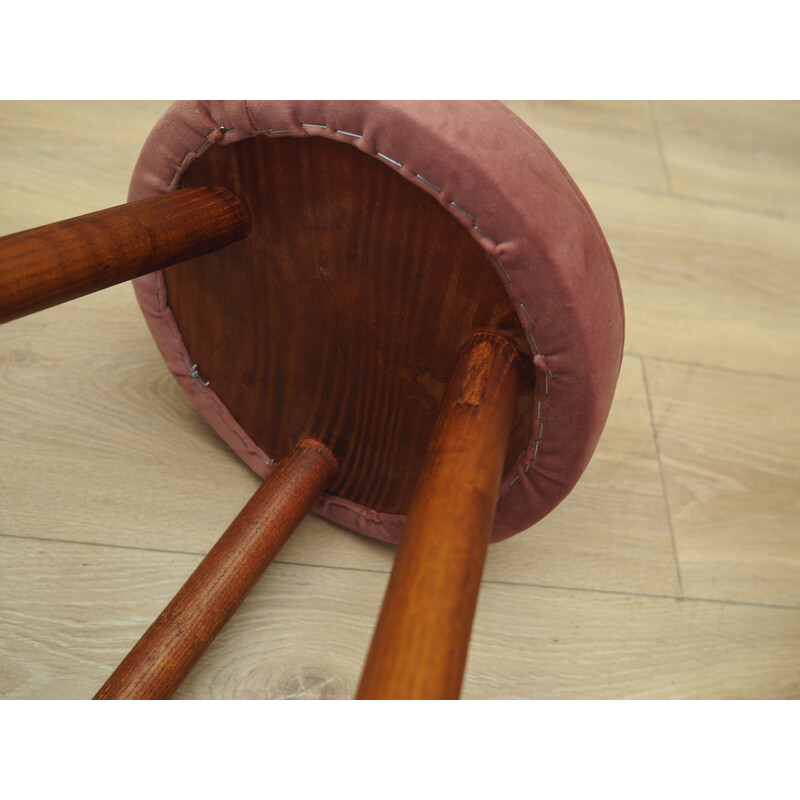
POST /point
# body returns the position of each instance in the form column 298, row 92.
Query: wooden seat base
column 341, row 315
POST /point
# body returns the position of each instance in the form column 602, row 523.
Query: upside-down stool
column 402, row 315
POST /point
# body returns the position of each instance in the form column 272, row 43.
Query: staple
column 533, row 322
column 312, row 125
column 536, row 450
column 391, row 160
column 527, row 467
column 183, row 160
column 546, row 384
column 508, row 277
column 539, row 408
column 347, row 133
column 463, row 211
column 224, row 129
column 195, row 373
column 534, row 344
column 425, row 180
column 541, row 430
column 269, row 130
column 485, row 235
column 158, row 291
column 513, row 481
column 202, row 147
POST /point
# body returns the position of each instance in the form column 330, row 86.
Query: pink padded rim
column 494, row 174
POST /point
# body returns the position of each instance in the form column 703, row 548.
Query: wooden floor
column 672, row 571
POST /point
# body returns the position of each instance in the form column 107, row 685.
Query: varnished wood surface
column 170, row 647
column 67, row 259
column 419, row 648
column 341, row 315
column 671, row 571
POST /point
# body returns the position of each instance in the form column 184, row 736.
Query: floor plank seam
column 660, row 145
column 647, row 595
column 581, row 177
column 486, row 581
column 769, row 213
column 711, row 367
column 663, row 480
column 101, row 544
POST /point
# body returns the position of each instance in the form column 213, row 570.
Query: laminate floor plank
column 553, row 644
column 70, row 612
column 741, row 154
column 61, row 159
column 729, row 446
column 100, row 444
column 578, row 132
column 702, row 283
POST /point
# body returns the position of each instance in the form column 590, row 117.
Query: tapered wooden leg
column 45, row 266
column 420, row 644
column 168, row 650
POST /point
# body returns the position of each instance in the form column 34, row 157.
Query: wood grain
column 421, row 640
column 170, row 647
column 341, row 316
column 54, row 263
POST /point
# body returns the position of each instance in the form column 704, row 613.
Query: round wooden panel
column 341, row 315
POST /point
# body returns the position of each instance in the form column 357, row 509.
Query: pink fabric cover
column 497, row 178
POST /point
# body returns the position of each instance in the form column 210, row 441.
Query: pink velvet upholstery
column 494, row 175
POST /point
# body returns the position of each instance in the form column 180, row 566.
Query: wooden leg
column 45, row 266
column 168, row 650
column 420, row 644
